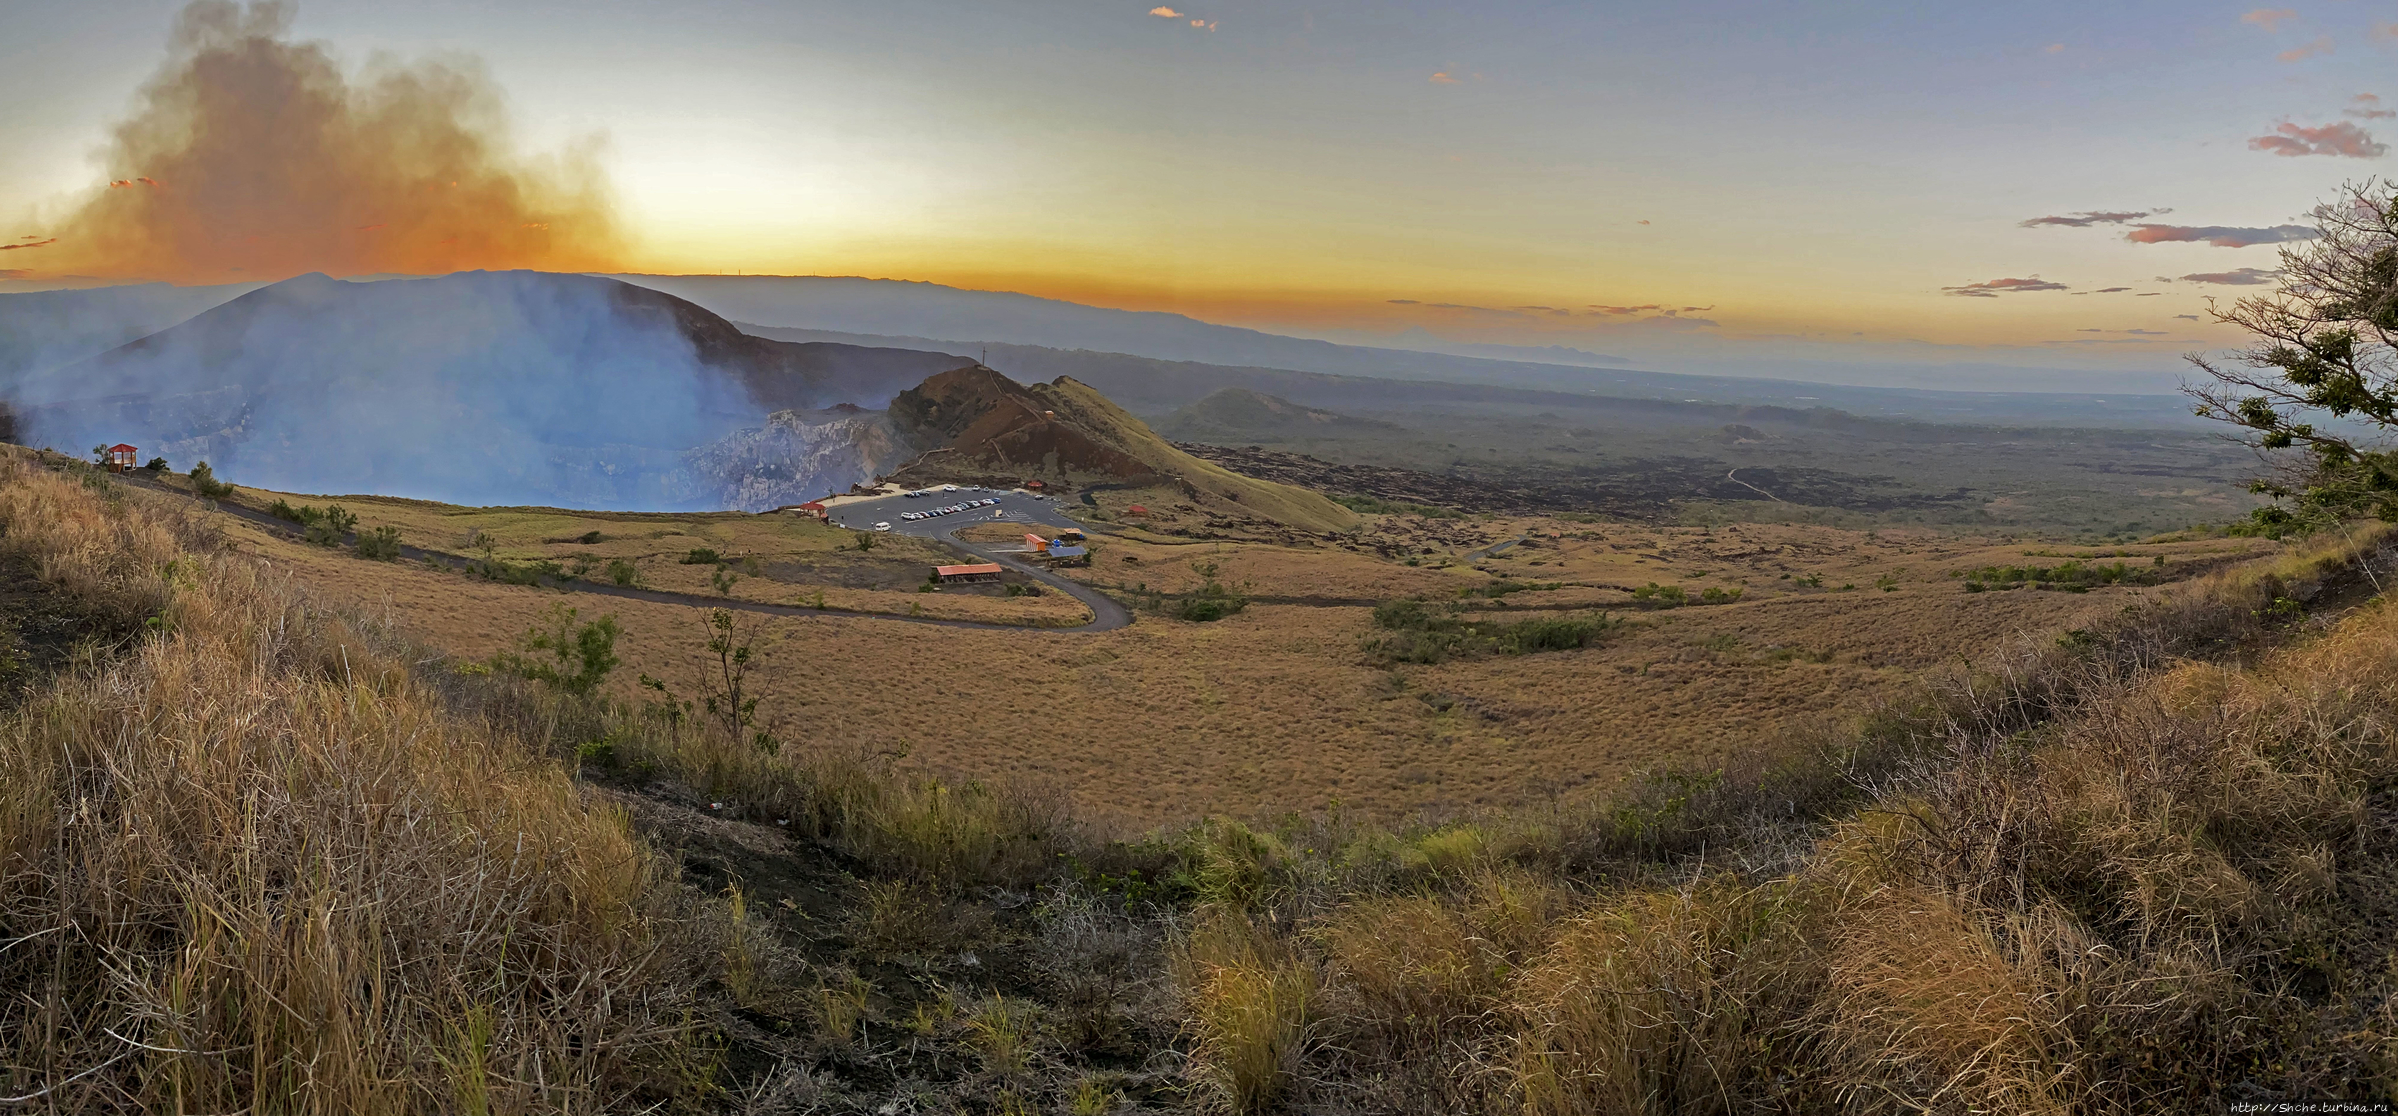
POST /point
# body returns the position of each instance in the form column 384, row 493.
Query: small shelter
column 968, row 574
column 814, row 508
column 1137, row 509
column 122, row 457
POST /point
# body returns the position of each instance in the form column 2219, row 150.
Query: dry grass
column 1277, row 708
column 252, row 864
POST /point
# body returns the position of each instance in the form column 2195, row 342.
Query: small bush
column 328, row 528
column 205, row 483
column 381, row 544
column 701, row 556
column 1416, row 632
column 574, row 658
column 623, row 572
column 589, row 537
column 156, row 466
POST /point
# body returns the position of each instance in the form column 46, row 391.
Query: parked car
column 884, row 526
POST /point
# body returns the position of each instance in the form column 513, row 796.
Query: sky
column 1702, row 183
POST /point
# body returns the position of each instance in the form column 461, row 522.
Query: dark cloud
column 1992, row 288
column 1622, row 310
column 2221, row 236
column 1405, row 302
column 2186, row 317
column 2341, row 139
column 35, row 244
column 2244, row 277
column 2085, row 220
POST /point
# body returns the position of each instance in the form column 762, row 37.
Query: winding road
column 1106, row 614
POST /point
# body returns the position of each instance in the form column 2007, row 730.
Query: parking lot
column 1004, row 507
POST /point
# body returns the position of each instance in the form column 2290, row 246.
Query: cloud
column 1622, row 310
column 2133, row 332
column 1404, row 302
column 1642, row 222
column 2085, row 220
column 2054, row 48
column 2185, row 317
column 1443, row 78
column 1204, row 24
column 211, row 172
column 2270, row 19
column 2341, row 138
column 2109, row 290
column 2243, row 277
column 2321, row 45
column 2221, row 236
column 1164, row 12
column 35, row 244
column 2150, row 294
column 1992, row 288
column 2368, row 107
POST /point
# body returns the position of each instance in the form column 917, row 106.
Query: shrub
column 156, row 466
column 328, row 528
column 1213, row 600
column 623, row 572
column 558, row 652
column 701, row 556
column 1654, row 595
column 589, row 537
column 205, row 483
column 1414, row 631
column 381, row 544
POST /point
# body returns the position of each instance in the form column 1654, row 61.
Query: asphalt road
column 1106, row 614
column 1013, row 507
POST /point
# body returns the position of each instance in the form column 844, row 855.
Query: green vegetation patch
column 1416, row 631
column 2075, row 576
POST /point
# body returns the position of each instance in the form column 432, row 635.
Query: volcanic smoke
column 253, row 157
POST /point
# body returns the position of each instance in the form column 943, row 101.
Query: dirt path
column 1753, row 488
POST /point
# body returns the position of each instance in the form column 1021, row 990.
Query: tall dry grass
column 2144, row 868
column 248, row 863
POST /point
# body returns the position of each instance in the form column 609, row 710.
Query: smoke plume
column 254, row 157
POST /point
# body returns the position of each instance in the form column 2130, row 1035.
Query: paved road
column 1013, row 507
column 1106, row 614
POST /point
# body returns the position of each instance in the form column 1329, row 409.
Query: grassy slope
column 2118, row 873
column 1296, row 507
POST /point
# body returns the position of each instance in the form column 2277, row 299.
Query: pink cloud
column 2270, row 19
column 1164, row 12
column 2368, row 107
column 2321, row 45
column 2342, row 138
column 1992, row 288
column 1443, row 78
column 2221, row 236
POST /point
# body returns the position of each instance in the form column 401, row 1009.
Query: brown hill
column 974, row 422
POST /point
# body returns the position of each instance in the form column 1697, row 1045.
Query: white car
column 882, row 526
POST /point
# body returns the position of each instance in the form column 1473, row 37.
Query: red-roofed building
column 122, row 457
column 962, row 575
